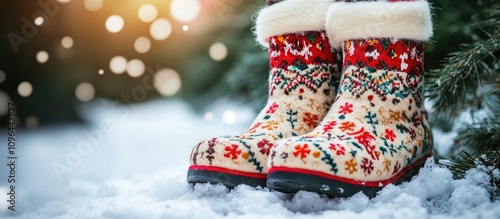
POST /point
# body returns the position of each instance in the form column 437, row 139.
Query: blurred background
column 57, row 55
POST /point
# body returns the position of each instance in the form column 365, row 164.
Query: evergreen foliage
column 468, row 81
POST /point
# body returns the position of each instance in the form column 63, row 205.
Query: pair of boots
column 330, row 132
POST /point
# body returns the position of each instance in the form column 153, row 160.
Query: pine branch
column 455, row 86
column 483, row 136
column 489, row 162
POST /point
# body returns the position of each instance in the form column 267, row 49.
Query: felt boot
column 377, row 132
column 302, row 85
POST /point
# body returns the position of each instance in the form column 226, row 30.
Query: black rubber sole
column 226, row 179
column 292, row 182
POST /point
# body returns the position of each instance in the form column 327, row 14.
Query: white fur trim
column 362, row 20
column 291, row 16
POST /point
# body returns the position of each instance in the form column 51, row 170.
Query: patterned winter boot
column 376, row 133
column 302, row 86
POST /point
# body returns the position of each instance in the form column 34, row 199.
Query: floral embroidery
column 389, row 135
column 265, row 146
column 367, row 165
column 272, row 109
column 346, row 108
column 311, row 120
column 303, row 151
column 378, row 123
column 339, row 149
column 351, row 166
column 271, row 125
column 232, row 152
column 329, row 126
column 303, row 78
column 347, row 126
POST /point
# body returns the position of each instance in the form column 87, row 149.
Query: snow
column 131, row 162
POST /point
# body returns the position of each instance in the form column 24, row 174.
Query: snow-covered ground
column 131, row 162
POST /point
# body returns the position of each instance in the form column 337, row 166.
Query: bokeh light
column 142, row 45
column 42, row 56
column 101, row 71
column 185, row 27
column 39, row 21
column 147, row 13
column 135, row 68
column 93, row 5
column 2, row 76
column 160, row 29
column 4, row 102
column 209, row 116
column 85, row 92
column 63, row 1
column 31, row 122
column 167, row 82
column 25, row 89
column 118, row 64
column 185, row 10
column 218, row 51
column 229, row 117
column 114, row 23
column 67, row 42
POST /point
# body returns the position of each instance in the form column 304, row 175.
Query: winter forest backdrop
column 67, row 64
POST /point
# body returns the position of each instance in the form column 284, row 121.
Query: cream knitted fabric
column 302, row 86
column 377, row 129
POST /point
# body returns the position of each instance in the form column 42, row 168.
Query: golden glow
column 167, row 82
column 185, row 10
column 42, row 57
column 218, row 51
column 63, row 1
column 39, row 21
column 114, row 24
column 25, row 89
column 142, row 45
column 135, row 68
column 147, row 13
column 118, row 64
column 160, row 29
column 85, row 92
column 67, row 42
column 93, row 5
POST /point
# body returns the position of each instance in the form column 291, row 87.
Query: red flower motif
column 265, row 146
column 311, row 120
column 389, row 135
column 365, row 138
column 272, row 109
column 302, row 151
column 254, row 127
column 339, row 149
column 367, row 165
column 329, row 126
column 346, row 108
column 232, row 152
